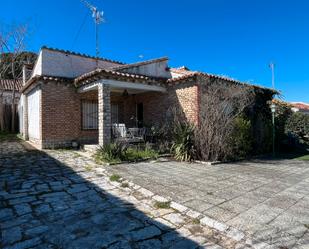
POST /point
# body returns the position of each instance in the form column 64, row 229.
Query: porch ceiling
column 119, row 86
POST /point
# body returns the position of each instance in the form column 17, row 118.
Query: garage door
column 34, row 114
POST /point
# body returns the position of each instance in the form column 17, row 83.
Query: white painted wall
column 34, row 105
column 21, row 113
column 156, row 69
column 59, row 64
column 37, row 70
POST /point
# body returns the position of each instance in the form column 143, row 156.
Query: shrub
column 298, row 126
column 283, row 113
column 183, row 142
column 160, row 135
column 134, row 154
column 115, row 178
column 112, row 153
column 6, row 136
column 240, row 142
column 118, row 152
column 159, row 204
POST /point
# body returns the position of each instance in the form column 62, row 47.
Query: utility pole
column 98, row 19
column 273, row 106
column 272, row 66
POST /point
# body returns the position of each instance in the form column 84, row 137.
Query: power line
column 79, row 31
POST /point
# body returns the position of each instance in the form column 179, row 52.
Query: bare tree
column 1, row 110
column 12, row 41
column 220, row 105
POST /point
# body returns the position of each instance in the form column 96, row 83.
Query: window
column 89, row 115
column 114, row 108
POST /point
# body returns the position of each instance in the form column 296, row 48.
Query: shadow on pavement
column 45, row 204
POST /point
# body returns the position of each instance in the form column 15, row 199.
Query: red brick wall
column 185, row 97
column 61, row 115
column 158, row 107
column 61, row 110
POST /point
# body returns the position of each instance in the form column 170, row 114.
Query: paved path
column 58, row 199
column 268, row 200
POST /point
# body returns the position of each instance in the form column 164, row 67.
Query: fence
column 6, row 117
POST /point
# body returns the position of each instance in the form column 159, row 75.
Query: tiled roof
column 182, row 70
column 300, row 106
column 186, row 74
column 179, row 75
column 45, row 78
column 82, row 55
column 8, row 84
column 96, row 74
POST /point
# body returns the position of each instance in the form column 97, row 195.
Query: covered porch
column 120, row 110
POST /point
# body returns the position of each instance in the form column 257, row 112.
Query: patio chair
column 119, row 130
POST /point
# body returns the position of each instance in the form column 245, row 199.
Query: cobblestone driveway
column 268, row 200
column 58, row 199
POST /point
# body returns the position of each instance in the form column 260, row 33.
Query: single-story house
column 75, row 97
column 6, row 90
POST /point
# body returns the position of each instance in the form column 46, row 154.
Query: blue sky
column 234, row 38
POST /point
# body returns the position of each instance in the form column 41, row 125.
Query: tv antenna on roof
column 98, row 19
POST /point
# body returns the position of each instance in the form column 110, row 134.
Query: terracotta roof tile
column 300, row 105
column 45, row 78
column 94, row 75
column 187, row 74
column 8, row 84
column 82, row 55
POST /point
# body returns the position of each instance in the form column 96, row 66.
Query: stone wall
column 104, row 103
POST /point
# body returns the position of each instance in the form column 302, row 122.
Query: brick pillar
column 25, row 117
column 104, row 114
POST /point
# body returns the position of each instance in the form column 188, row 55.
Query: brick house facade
column 64, row 86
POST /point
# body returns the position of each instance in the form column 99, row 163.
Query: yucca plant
column 113, row 152
column 183, row 142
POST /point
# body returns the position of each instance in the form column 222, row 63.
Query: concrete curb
column 233, row 233
column 228, row 231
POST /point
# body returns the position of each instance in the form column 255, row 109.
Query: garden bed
column 117, row 153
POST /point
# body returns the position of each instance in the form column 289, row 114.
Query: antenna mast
column 272, row 67
column 98, row 19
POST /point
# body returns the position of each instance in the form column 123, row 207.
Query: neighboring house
column 6, row 91
column 74, row 97
column 6, row 100
column 300, row 107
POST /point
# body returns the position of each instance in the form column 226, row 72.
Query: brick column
column 104, row 114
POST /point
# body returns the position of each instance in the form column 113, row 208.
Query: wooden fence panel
column 6, row 114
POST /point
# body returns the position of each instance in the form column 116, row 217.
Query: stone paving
column 267, row 200
column 59, row 199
